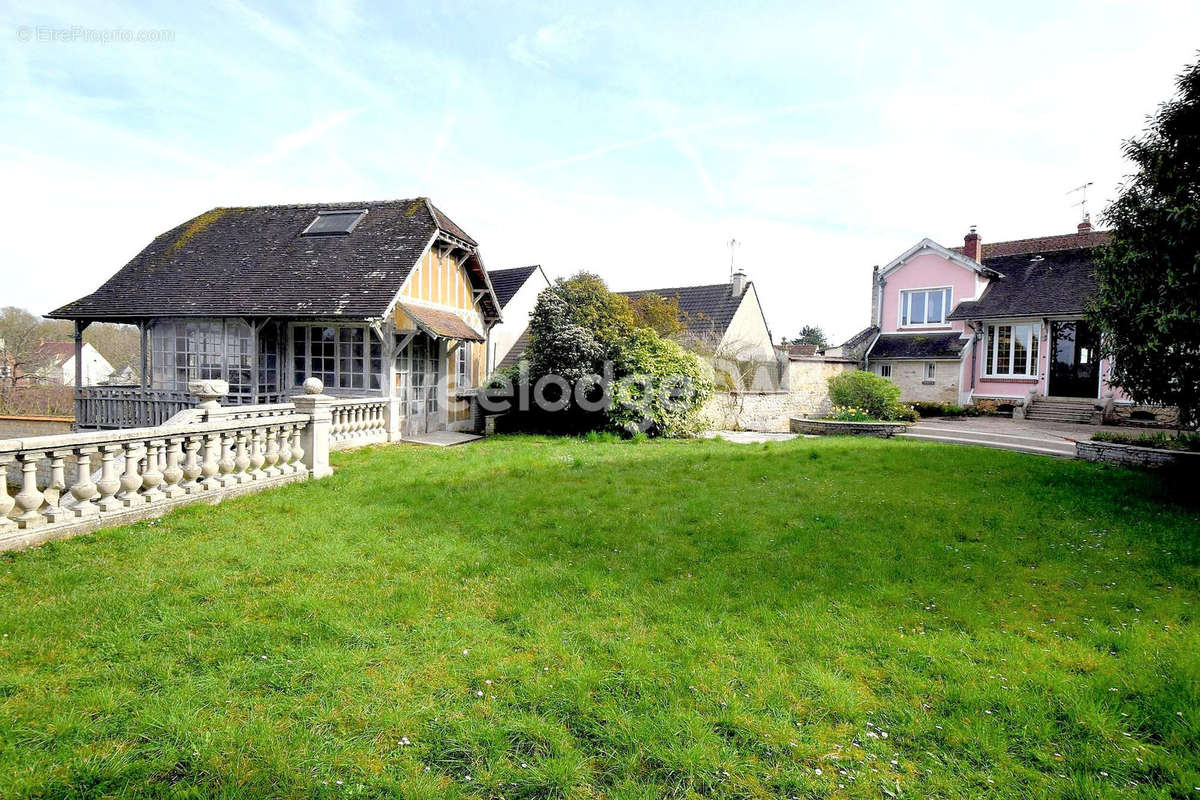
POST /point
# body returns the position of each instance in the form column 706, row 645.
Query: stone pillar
column 315, row 439
column 394, row 418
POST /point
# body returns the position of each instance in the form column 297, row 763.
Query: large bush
column 580, row 330
column 662, row 388
column 868, row 391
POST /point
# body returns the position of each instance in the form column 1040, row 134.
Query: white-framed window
column 343, row 357
column 930, row 370
column 461, row 361
column 885, row 370
column 924, row 307
column 200, row 349
column 1012, row 350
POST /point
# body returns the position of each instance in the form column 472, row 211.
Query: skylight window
column 335, row 223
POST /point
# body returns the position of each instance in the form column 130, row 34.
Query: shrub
column 901, row 413
column 872, row 393
column 662, row 389
column 1161, row 441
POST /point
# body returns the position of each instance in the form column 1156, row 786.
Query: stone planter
column 829, row 427
column 1133, row 456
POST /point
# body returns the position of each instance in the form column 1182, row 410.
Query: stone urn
column 209, row 391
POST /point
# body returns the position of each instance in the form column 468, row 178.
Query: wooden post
column 143, row 404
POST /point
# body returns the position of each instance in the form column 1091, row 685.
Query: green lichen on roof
column 190, row 231
column 414, row 207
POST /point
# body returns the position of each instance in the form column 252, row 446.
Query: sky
column 632, row 140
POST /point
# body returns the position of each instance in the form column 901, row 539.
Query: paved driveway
column 1044, row 438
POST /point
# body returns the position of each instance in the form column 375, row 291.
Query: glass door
column 1075, row 364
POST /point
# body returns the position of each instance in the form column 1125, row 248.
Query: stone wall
column 1143, row 416
column 19, row 427
column 910, row 377
column 826, row 427
column 806, row 394
column 1134, row 456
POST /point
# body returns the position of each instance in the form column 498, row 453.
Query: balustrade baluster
column 6, row 502
column 241, row 462
column 191, row 467
column 257, row 458
column 53, row 510
column 29, row 499
column 110, row 480
column 298, row 449
column 211, row 465
column 131, row 480
column 173, row 472
column 226, row 463
column 152, row 476
column 285, row 451
column 83, row 490
column 271, row 470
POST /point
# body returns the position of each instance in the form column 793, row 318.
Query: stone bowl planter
column 829, row 427
column 1131, row 455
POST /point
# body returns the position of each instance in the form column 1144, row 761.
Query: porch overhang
column 440, row 324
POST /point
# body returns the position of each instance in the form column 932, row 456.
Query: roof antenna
column 733, row 245
column 1083, row 199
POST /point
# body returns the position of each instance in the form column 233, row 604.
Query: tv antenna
column 733, row 245
column 1082, row 190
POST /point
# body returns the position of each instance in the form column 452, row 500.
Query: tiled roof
column 444, row 324
column 1038, row 284
column 56, row 351
column 513, row 356
column 859, row 338
column 254, row 262
column 705, row 309
column 507, row 282
column 1041, row 244
column 799, row 349
column 918, row 346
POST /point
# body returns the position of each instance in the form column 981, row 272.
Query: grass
column 533, row 618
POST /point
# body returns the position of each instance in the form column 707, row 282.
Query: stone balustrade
column 360, row 421
column 101, row 478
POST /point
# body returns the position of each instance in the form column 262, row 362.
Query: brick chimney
column 1085, row 226
column 972, row 248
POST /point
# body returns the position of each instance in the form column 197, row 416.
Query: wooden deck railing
column 116, row 407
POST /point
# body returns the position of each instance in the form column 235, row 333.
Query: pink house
column 998, row 324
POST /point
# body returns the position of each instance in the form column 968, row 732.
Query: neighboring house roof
column 1035, row 284
column 1042, row 244
column 799, row 349
column 507, row 282
column 514, row 354
column 918, row 346
column 254, row 262
column 56, row 352
column 856, row 345
column 705, row 309
column 954, row 256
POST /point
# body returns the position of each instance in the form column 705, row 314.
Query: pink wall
column 925, row 271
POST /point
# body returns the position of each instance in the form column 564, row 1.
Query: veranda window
column 343, row 357
column 1012, row 350
column 188, row 350
column 924, row 306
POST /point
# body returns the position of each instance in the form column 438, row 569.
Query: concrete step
column 1049, row 416
column 1066, row 450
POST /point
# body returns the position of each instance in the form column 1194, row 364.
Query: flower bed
column 831, row 427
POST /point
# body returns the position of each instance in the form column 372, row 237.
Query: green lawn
column 560, row 618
